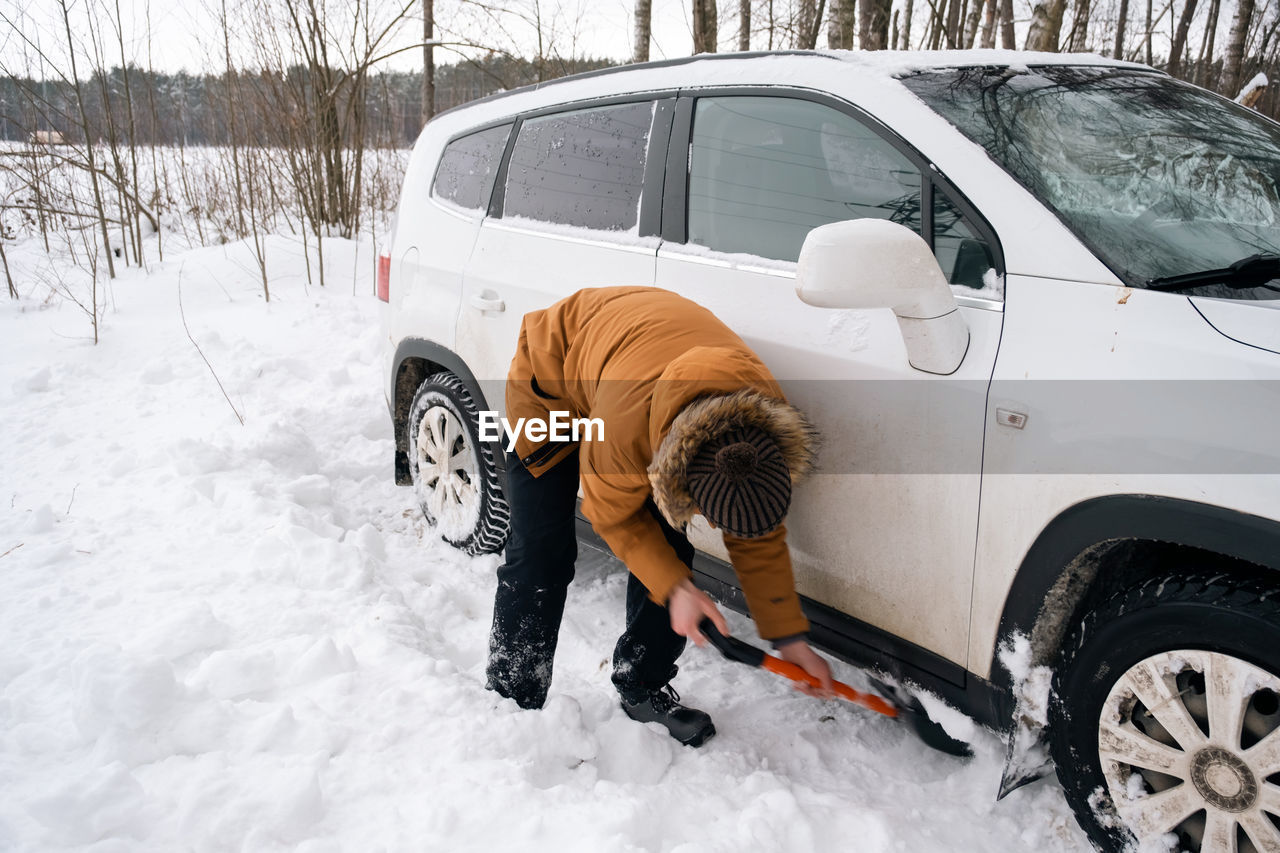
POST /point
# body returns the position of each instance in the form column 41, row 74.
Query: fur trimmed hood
column 709, row 417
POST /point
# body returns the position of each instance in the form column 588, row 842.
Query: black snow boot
column 688, row 725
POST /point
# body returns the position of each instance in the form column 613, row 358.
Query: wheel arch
column 416, row 359
column 1100, row 546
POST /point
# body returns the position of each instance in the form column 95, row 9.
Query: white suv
column 1031, row 309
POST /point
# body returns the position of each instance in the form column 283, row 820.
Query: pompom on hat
column 741, row 482
column 732, row 458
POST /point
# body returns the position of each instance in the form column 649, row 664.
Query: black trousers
column 534, row 580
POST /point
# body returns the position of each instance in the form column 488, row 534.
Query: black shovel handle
column 731, row 647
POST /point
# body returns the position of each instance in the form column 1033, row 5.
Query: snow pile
column 226, row 637
column 1259, row 81
column 1032, row 685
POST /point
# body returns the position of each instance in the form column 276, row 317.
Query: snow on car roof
column 896, row 63
column 783, row 67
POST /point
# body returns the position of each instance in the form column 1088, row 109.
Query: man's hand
column 807, row 659
column 688, row 606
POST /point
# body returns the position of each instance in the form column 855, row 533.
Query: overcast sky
column 172, row 34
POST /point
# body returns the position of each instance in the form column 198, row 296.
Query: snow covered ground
column 217, row 636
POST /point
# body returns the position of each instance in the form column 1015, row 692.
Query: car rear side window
column 468, row 167
column 583, row 168
column 765, row 171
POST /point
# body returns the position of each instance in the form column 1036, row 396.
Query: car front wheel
column 1166, row 729
column 453, row 471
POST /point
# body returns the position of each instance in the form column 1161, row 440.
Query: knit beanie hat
column 741, row 482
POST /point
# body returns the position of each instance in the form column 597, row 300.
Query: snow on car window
column 583, row 168
column 468, row 167
column 1159, row 177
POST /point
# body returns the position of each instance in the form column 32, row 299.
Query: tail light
column 384, row 278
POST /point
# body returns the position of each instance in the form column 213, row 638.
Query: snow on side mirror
column 874, row 263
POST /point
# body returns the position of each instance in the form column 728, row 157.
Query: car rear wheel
column 1166, row 729
column 453, row 472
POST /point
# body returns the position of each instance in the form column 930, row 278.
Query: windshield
column 1158, row 177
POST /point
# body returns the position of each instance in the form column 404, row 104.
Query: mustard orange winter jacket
column 663, row 375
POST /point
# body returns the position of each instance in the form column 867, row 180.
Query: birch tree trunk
column 644, row 29
column 840, row 27
column 989, row 26
column 1230, row 83
column 873, row 24
column 1046, row 25
column 971, row 26
column 805, row 13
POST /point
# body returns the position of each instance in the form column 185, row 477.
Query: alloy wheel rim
column 448, row 475
column 1189, row 745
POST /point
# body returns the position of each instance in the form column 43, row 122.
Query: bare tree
column 744, row 24
column 809, row 24
column 1206, row 44
column 134, row 217
column 318, row 86
column 1143, row 51
column 89, row 158
column 937, row 25
column 13, row 291
column 428, row 60
column 1180, row 38
column 1151, row 28
column 704, row 26
column 1078, row 38
column 1121, row 19
column 157, row 195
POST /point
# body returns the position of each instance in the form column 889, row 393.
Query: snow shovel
column 913, row 713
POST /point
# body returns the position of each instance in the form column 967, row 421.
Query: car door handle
column 486, row 301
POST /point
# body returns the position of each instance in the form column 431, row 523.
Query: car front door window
column 765, row 171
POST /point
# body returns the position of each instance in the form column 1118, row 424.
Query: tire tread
column 1229, row 592
column 494, row 522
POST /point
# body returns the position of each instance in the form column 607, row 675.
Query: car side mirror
column 874, row 263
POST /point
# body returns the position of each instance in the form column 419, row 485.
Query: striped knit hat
column 741, row 482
